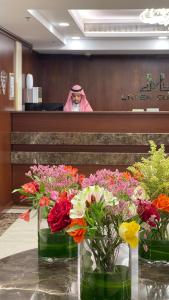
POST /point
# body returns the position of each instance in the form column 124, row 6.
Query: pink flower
column 54, row 195
column 55, row 178
column 121, row 184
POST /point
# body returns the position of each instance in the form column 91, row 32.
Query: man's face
column 76, row 98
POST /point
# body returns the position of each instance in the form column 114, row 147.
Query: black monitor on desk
column 43, row 106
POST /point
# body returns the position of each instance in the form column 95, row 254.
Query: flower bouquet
column 104, row 221
column 49, row 194
column 153, row 175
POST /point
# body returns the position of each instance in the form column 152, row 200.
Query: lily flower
column 128, row 232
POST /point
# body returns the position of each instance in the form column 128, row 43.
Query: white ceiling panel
column 103, row 26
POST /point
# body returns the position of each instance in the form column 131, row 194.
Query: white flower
column 86, row 196
column 139, row 193
column 132, row 210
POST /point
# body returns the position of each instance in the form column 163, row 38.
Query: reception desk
column 87, row 140
column 140, row 122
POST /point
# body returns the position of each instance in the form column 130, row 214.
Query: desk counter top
column 116, row 121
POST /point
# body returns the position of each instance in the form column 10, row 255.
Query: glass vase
column 53, row 246
column 104, row 273
column 154, row 251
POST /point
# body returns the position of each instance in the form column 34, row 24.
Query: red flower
column 31, row 187
column 25, row 216
column 81, row 178
column 22, row 197
column 44, row 201
column 148, row 212
column 58, row 217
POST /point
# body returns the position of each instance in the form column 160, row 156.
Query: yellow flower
column 128, row 232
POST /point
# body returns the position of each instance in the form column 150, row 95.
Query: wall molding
column 15, row 37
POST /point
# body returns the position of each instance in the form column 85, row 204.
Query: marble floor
column 6, row 220
column 16, row 235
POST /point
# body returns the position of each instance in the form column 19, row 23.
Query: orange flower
column 78, row 234
column 30, row 187
column 126, row 175
column 44, row 201
column 162, row 202
column 25, row 216
column 71, row 170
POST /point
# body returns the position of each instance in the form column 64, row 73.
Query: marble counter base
column 87, row 138
column 75, row 158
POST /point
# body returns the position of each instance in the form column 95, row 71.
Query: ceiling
column 102, row 26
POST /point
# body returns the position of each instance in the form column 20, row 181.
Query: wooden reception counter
column 87, row 140
column 91, row 122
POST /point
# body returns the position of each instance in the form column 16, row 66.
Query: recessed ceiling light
column 163, row 37
column 64, row 24
column 75, row 37
column 27, row 18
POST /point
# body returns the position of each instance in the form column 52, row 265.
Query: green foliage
column 94, row 216
column 153, row 172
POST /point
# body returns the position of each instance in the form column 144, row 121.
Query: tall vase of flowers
column 49, row 194
column 53, row 246
column 104, row 226
column 153, row 175
column 105, row 271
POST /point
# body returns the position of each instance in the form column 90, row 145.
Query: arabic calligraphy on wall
column 151, row 85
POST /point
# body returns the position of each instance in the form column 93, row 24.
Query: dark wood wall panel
column 7, row 55
column 5, row 167
column 7, row 50
column 82, row 148
column 104, row 78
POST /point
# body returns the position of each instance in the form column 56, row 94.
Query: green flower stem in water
column 105, row 253
column 101, row 277
column 55, row 245
column 157, row 250
column 107, row 286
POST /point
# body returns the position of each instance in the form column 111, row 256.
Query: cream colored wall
column 18, row 75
